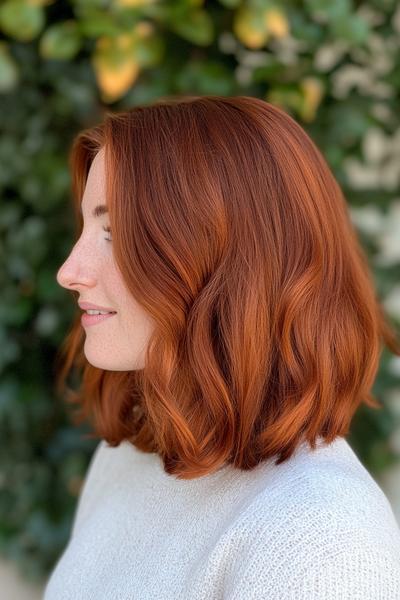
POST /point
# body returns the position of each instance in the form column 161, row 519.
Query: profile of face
column 116, row 342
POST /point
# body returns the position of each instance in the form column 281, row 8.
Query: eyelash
column 108, row 229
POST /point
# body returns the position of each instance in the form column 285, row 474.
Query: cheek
column 119, row 294
column 138, row 323
column 134, row 316
column 116, row 286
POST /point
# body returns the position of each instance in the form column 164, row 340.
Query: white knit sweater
column 315, row 527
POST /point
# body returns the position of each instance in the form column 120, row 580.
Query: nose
column 72, row 275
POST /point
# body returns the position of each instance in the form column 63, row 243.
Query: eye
column 108, row 229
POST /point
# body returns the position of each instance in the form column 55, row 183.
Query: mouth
column 87, row 320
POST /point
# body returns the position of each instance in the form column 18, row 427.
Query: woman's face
column 118, row 342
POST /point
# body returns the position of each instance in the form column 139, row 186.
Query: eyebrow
column 99, row 210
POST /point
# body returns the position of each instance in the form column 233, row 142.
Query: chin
column 107, row 357
column 97, row 359
column 100, row 364
column 104, row 362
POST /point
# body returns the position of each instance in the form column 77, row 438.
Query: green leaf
column 9, row 74
column 149, row 52
column 84, row 4
column 328, row 9
column 95, row 23
column 196, row 26
column 230, row 3
column 205, row 77
column 21, row 20
column 61, row 41
column 351, row 28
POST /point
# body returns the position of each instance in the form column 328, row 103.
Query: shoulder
column 326, row 490
column 323, row 529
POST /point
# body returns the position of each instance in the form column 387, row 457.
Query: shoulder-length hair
column 231, row 231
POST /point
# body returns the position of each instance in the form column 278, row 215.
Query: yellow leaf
column 276, row 22
column 118, row 43
column 124, row 41
column 133, row 3
column 249, row 28
column 114, row 80
column 313, row 91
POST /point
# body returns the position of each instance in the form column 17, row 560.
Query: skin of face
column 117, row 343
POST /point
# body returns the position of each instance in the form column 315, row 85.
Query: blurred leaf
column 61, row 41
column 85, row 4
column 9, row 74
column 329, row 11
column 312, row 89
column 206, row 78
column 95, row 23
column 115, row 66
column 21, row 19
column 147, row 49
column 196, row 27
column 250, row 28
column 230, row 3
column 351, row 28
column 42, row 2
column 133, row 3
column 288, row 97
column 276, row 22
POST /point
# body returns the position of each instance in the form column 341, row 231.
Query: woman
column 241, row 331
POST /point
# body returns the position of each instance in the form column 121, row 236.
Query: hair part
column 231, row 231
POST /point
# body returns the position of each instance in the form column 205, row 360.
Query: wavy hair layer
column 231, row 231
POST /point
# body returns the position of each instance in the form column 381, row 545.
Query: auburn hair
column 230, row 229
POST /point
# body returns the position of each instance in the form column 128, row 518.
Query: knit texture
column 315, row 527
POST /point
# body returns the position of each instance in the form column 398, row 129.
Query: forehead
column 94, row 193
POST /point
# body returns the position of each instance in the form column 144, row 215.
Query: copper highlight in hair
column 231, row 231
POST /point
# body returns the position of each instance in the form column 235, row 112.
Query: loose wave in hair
column 231, row 231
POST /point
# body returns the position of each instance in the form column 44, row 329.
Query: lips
column 90, row 306
column 88, row 320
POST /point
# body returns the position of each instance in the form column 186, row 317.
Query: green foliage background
column 335, row 66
